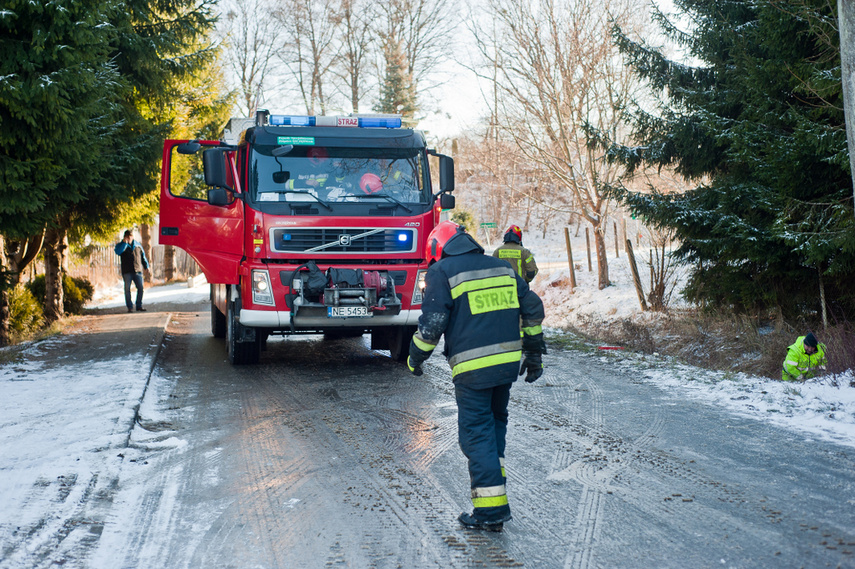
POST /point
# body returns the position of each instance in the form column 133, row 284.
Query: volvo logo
column 344, row 240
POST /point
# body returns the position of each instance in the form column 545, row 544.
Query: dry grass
column 722, row 342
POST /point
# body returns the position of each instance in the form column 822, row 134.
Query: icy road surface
column 134, row 444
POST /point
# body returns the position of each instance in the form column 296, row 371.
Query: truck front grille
column 343, row 240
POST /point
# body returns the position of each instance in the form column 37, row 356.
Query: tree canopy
column 758, row 124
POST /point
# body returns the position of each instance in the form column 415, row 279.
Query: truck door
column 211, row 234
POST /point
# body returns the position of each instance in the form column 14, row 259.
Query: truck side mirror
column 214, row 165
column 446, row 173
column 218, row 196
column 446, row 201
column 190, row 147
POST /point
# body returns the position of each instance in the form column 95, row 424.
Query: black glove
column 533, row 364
column 533, row 343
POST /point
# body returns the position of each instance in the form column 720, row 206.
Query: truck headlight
column 419, row 290
column 261, row 290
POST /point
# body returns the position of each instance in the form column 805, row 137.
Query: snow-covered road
column 123, row 446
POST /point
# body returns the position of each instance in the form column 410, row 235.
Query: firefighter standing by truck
column 520, row 258
column 478, row 302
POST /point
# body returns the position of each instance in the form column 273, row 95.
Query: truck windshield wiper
column 387, row 198
column 305, row 193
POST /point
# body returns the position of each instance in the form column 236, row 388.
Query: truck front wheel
column 399, row 342
column 243, row 345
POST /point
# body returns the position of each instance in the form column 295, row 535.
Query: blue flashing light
column 380, row 122
column 291, row 120
column 403, row 237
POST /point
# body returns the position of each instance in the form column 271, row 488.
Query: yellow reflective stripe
column 487, row 361
column 491, row 282
column 529, row 259
column 459, row 278
column 510, row 253
column 422, row 345
column 532, row 330
column 489, row 350
column 502, row 464
column 490, row 502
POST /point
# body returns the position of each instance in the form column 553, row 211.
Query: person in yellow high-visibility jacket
column 520, row 258
column 804, row 358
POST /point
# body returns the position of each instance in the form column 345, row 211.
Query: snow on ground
column 46, row 437
column 114, row 296
column 822, row 407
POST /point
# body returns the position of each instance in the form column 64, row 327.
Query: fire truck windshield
column 343, row 180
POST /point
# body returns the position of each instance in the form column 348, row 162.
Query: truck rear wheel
column 240, row 351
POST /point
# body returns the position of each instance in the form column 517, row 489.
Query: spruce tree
column 758, row 124
column 398, row 92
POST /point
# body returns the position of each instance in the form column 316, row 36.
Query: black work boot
column 471, row 522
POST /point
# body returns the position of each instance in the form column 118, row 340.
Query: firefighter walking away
column 520, row 258
column 478, row 302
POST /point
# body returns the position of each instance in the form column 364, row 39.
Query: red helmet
column 439, row 237
column 514, row 233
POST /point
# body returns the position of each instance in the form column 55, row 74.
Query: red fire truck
column 307, row 225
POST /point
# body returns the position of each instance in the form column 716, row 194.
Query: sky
column 457, row 103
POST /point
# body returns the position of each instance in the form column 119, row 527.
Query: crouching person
column 804, row 358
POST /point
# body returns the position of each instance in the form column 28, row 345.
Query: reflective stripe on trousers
column 489, row 497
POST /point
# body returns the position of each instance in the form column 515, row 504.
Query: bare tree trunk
column 168, row 263
column 602, row 257
column 145, row 238
column 55, row 250
column 846, row 25
column 5, row 286
column 14, row 257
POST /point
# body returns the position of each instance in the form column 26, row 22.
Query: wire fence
column 102, row 267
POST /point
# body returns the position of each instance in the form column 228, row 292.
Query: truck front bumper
column 281, row 320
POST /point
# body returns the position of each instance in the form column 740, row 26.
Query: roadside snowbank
column 823, row 407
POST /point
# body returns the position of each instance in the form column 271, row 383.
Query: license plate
column 348, row 312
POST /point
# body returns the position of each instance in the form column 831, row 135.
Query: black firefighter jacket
column 477, row 301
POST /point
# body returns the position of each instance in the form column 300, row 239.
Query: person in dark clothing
column 477, row 302
column 134, row 262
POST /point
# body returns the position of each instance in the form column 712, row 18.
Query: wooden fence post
column 635, row 278
column 623, row 227
column 617, row 241
column 570, row 258
column 588, row 244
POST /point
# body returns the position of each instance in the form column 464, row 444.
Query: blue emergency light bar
column 351, row 121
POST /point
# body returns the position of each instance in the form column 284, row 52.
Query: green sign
column 296, row 140
column 488, row 225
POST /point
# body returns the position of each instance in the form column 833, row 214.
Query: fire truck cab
column 307, row 225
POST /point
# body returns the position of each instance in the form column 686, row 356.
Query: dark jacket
column 477, row 302
column 132, row 256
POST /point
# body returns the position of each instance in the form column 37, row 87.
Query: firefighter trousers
column 482, row 424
